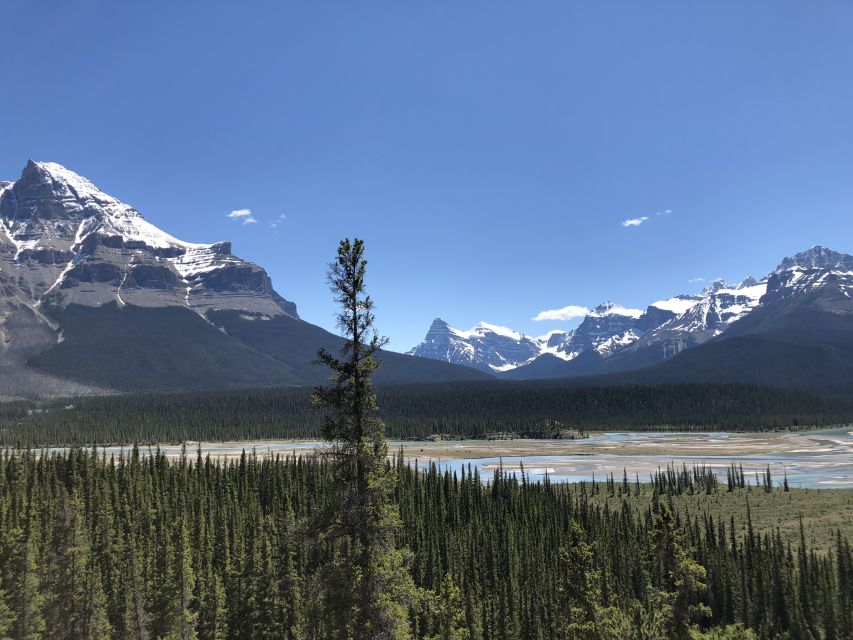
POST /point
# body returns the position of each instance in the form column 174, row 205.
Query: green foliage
column 462, row 409
column 75, row 599
column 447, row 608
column 246, row 524
column 6, row 616
column 581, row 590
column 729, row 632
column 362, row 523
column 682, row 577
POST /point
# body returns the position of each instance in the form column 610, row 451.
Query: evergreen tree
column 681, row 576
column 449, row 612
column 366, row 589
column 6, row 616
column 580, row 591
column 163, row 549
column 24, row 591
column 75, row 602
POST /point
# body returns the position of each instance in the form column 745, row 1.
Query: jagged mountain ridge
column 70, row 243
column 77, row 264
column 485, row 346
column 497, row 349
column 95, row 298
column 608, row 341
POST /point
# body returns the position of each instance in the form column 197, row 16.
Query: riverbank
column 808, row 458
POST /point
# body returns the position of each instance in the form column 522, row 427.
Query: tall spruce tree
column 365, row 587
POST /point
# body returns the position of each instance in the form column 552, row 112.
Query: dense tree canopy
column 469, row 409
column 143, row 548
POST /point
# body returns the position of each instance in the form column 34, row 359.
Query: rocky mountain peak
column 604, row 308
column 71, row 243
column 47, row 190
column 715, row 286
column 667, row 327
column 818, row 257
column 610, row 308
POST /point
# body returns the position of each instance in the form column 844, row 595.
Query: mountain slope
column 93, row 298
column 801, row 335
column 70, row 243
column 296, row 343
column 134, row 348
column 798, row 334
column 485, row 346
column 496, row 349
column 785, row 329
column 773, row 359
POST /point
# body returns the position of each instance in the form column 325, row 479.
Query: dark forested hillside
column 470, row 409
column 140, row 349
column 137, row 548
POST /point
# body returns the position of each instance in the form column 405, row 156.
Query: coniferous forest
column 140, row 547
column 410, row 411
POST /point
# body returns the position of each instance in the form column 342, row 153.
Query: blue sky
column 488, row 153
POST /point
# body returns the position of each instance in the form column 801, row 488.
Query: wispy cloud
column 694, row 280
column 244, row 215
column 636, row 222
column 566, row 313
column 274, row 224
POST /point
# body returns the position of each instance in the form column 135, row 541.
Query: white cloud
column 636, row 222
column 245, row 215
column 566, row 313
column 275, row 223
column 692, row 280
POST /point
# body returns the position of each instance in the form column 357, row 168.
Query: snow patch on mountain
column 617, row 342
column 669, row 325
column 70, row 241
column 110, row 215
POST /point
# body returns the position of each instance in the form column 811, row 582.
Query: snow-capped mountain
column 607, row 321
column 494, row 348
column 485, row 346
column 710, row 313
column 817, row 269
column 614, row 338
column 67, row 242
column 93, row 297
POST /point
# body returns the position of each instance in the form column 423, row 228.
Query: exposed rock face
column 711, row 313
column 607, row 321
column 486, row 347
column 817, row 257
column 94, row 298
column 68, row 242
column 824, row 275
column 496, row 349
column 63, row 241
column 614, row 338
